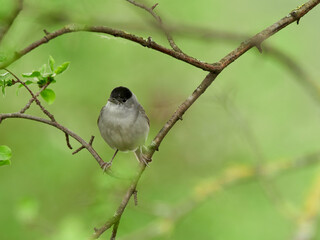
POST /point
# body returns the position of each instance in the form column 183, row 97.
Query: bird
column 123, row 124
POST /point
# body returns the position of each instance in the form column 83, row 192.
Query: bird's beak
column 113, row 100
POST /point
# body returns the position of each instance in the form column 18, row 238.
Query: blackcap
column 123, row 124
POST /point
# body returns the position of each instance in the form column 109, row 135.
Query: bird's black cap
column 122, row 94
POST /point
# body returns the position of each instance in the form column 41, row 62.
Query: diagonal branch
column 34, row 97
column 159, row 21
column 27, row 106
column 224, row 62
column 58, row 126
column 214, row 70
column 227, row 60
column 116, row 33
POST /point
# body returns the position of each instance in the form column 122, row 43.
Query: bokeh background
column 257, row 112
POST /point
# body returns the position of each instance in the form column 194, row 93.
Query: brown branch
column 116, row 217
column 116, row 33
column 34, row 97
column 82, row 147
column 115, row 230
column 27, row 106
column 68, row 140
column 160, row 23
column 58, row 126
column 11, row 18
column 214, row 69
column 223, row 63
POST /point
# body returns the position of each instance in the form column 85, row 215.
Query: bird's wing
column 100, row 115
column 143, row 113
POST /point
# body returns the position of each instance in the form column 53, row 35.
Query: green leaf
column 48, row 95
column 43, row 69
column 5, row 153
column 51, row 63
column 9, row 82
column 32, row 74
column 62, row 68
column 5, row 162
column 4, row 75
column 28, row 82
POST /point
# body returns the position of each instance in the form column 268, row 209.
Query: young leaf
column 5, row 162
column 5, row 153
column 61, row 68
column 28, row 82
column 3, row 75
column 48, row 95
column 32, row 74
column 51, row 63
column 43, row 69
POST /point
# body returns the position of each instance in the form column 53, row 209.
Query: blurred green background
column 255, row 111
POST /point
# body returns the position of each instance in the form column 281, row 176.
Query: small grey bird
column 123, row 124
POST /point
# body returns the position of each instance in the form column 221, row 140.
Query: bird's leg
column 108, row 164
column 141, row 157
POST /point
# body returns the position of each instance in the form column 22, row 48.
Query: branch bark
column 160, row 23
column 223, row 63
column 58, row 126
column 213, row 69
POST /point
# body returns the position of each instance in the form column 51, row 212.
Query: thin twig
column 160, row 23
column 122, row 205
column 82, row 147
column 224, row 62
column 214, row 69
column 68, row 140
column 60, row 127
column 135, row 197
column 114, row 32
column 34, row 96
column 27, row 106
column 115, row 230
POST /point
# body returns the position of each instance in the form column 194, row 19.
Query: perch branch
column 223, row 63
column 82, row 147
column 214, row 70
column 58, row 126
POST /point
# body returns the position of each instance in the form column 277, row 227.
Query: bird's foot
column 106, row 165
column 145, row 159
